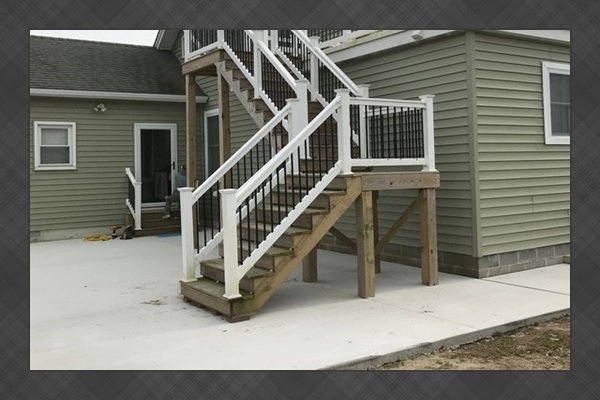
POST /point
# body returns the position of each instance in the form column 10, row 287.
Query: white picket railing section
column 136, row 208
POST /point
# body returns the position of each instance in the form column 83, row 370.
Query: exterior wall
column 524, row 184
column 66, row 204
column 243, row 126
column 438, row 67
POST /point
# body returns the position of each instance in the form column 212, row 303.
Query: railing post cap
column 339, row 91
column 227, row 191
column 426, row 96
column 292, row 100
column 302, row 81
column 185, row 189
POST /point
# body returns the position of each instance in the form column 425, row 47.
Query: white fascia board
column 159, row 37
column 563, row 36
column 387, row 39
column 84, row 94
column 378, row 41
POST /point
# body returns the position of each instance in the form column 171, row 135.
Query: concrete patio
column 115, row 305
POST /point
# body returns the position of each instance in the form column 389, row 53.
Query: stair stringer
column 242, row 95
column 322, row 224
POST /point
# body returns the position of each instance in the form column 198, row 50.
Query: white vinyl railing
column 370, row 132
column 248, row 58
column 386, row 127
column 190, row 197
column 136, row 208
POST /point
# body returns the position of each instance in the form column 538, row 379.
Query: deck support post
column 187, row 234
column 377, row 255
column 429, row 256
column 190, row 144
column 309, row 267
column 365, row 245
column 224, row 127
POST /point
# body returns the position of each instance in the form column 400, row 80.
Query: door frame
column 137, row 149
column 207, row 114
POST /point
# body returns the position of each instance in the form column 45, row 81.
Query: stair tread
column 215, row 289
column 327, row 192
column 253, row 273
column 291, row 231
column 308, row 211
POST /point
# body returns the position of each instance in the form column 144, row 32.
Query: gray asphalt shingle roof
column 68, row 64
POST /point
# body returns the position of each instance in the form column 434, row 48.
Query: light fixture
column 417, row 35
column 100, row 108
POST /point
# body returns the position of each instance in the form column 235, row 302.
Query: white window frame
column 71, row 142
column 208, row 114
column 549, row 68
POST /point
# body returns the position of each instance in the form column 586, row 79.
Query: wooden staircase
column 153, row 224
column 261, row 281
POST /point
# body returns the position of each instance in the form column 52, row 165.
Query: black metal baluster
column 293, row 185
column 395, row 133
column 218, row 210
column 422, row 135
column 307, row 172
column 240, row 248
column 248, row 225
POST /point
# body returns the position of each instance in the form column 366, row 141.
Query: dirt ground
column 543, row 346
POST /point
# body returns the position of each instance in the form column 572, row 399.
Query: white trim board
column 137, row 145
column 85, row 94
column 388, row 39
column 207, row 114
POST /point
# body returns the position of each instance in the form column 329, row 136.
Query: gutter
column 389, row 39
column 85, row 94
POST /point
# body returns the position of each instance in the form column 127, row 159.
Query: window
column 211, row 121
column 54, row 145
column 556, row 81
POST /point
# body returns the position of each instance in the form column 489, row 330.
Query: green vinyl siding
column 242, row 125
column 94, row 194
column 524, row 184
column 435, row 67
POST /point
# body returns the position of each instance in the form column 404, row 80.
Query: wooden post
column 224, row 126
column 187, row 234
column 429, row 257
column 377, row 255
column 190, row 113
column 365, row 246
column 190, row 145
column 309, row 267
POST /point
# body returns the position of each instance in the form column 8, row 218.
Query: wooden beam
column 365, row 252
column 376, row 231
column 224, row 125
column 398, row 224
column 190, row 133
column 351, row 244
column 429, row 256
column 309, row 267
column 400, row 180
column 204, row 65
column 190, row 142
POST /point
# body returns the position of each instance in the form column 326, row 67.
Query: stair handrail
column 316, row 50
column 256, row 80
column 240, row 153
column 273, row 60
column 136, row 208
column 190, row 197
column 234, row 198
